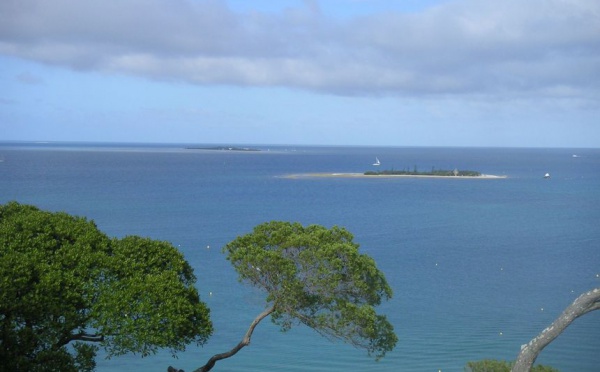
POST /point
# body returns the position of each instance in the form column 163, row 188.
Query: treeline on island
column 223, row 148
column 433, row 172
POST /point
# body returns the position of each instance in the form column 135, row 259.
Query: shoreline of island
column 362, row 175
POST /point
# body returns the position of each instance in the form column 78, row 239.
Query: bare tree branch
column 245, row 342
column 585, row 303
column 81, row 336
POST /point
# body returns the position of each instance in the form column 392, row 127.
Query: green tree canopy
column 64, row 283
column 313, row 276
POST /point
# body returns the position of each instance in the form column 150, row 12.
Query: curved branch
column 245, row 342
column 585, row 303
column 81, row 336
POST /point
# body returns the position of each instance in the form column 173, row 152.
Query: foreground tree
column 313, row 276
column 492, row 365
column 585, row 303
column 66, row 289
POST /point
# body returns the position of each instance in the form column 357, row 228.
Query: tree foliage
column 316, row 276
column 313, row 276
column 67, row 289
column 491, row 365
column 434, row 172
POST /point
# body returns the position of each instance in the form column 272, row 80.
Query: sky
column 508, row 73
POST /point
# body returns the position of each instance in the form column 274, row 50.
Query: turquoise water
column 478, row 267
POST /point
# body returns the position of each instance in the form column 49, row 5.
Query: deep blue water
column 478, row 267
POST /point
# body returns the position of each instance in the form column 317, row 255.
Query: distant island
column 223, row 148
column 400, row 174
column 433, row 173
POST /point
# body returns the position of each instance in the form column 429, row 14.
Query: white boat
column 547, row 175
column 377, row 162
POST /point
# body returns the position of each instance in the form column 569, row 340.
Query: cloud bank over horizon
column 501, row 50
column 341, row 72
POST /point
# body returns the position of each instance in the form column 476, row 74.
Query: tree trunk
column 585, row 303
column 245, row 342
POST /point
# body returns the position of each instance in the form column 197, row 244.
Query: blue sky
column 329, row 72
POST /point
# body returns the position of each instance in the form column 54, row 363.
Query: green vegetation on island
column 433, row 172
column 223, row 148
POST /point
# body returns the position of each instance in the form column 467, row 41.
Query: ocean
column 478, row 266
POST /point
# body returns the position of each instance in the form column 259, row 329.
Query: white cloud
column 469, row 47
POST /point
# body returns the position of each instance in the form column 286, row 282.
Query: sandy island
column 361, row 175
